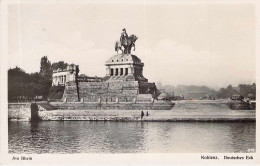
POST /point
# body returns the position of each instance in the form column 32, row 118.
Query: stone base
column 114, row 106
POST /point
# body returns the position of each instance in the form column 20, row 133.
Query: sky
column 179, row 44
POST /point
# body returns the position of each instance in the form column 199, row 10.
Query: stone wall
column 114, row 90
column 19, row 111
column 156, row 105
column 56, row 93
column 154, row 115
column 125, row 91
column 71, row 92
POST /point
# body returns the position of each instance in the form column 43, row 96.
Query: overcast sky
column 190, row 44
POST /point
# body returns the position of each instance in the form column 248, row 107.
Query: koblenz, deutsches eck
column 237, row 157
column 209, row 157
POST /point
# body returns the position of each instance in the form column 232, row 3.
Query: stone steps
column 47, row 106
column 114, row 106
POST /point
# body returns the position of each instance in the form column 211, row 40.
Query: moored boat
column 237, row 102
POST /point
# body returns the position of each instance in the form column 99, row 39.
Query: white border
column 122, row 159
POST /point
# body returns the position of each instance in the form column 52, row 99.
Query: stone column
column 68, row 78
column 73, row 77
column 119, row 71
column 108, row 72
column 123, row 71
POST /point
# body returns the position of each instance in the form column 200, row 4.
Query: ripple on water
column 130, row 137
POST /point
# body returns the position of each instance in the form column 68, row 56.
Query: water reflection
column 130, row 137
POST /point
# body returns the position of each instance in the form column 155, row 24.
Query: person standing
column 142, row 114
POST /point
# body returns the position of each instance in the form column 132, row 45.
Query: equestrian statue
column 126, row 42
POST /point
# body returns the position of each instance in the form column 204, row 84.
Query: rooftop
column 124, row 59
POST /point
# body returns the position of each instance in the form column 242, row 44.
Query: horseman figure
column 124, row 37
column 126, row 42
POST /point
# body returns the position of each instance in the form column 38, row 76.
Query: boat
column 237, row 102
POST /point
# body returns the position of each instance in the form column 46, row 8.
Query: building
column 123, row 87
column 125, row 66
column 60, row 76
column 124, row 82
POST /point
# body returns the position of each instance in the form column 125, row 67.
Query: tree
column 253, row 89
column 227, row 92
column 45, row 68
column 245, row 89
column 17, row 83
column 60, row 64
column 27, row 86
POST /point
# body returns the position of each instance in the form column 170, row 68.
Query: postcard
column 129, row 82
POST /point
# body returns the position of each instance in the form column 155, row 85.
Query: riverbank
column 19, row 111
column 153, row 115
column 188, row 110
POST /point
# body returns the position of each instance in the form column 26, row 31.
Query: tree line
column 242, row 89
column 223, row 93
column 29, row 86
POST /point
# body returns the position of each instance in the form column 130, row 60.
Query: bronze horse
column 127, row 46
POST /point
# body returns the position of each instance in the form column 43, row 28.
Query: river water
column 130, row 137
column 138, row 137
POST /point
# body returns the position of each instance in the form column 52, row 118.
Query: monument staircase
column 46, row 106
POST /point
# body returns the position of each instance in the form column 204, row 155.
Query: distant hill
column 192, row 91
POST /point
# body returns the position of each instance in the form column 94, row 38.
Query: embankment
column 135, row 115
column 182, row 111
column 113, row 105
column 19, row 111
